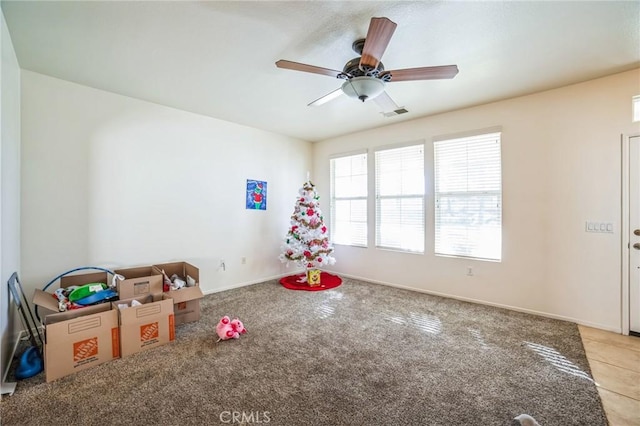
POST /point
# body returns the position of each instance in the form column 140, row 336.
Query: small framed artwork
column 256, row 195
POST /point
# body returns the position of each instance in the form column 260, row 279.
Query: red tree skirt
column 327, row 281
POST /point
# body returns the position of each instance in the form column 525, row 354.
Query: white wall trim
column 624, row 240
column 468, row 133
column 433, row 293
column 625, row 317
column 252, row 282
column 496, row 305
column 348, row 154
column 21, row 335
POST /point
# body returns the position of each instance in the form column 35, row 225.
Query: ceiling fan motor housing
column 358, row 45
column 352, row 68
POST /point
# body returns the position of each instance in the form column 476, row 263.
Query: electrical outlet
column 469, row 271
column 243, row 260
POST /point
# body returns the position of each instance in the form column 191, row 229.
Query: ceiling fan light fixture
column 363, row 88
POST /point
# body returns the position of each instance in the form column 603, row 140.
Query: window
column 349, row 200
column 400, row 198
column 468, row 197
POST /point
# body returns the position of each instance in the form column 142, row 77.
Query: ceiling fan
column 365, row 76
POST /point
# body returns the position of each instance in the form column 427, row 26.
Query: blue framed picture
column 256, row 195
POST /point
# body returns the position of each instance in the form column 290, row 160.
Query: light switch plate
column 601, row 227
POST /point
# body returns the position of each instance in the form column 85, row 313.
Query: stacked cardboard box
column 145, row 326
column 138, row 282
column 77, row 339
column 83, row 338
column 186, row 301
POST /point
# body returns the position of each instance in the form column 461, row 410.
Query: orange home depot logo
column 172, row 328
column 115, row 342
column 85, row 349
column 149, row 332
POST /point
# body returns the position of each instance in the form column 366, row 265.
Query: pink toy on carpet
column 229, row 329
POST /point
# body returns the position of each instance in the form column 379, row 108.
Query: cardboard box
column 138, row 282
column 185, row 310
column 47, row 304
column 146, row 326
column 78, row 339
column 186, row 300
column 80, row 343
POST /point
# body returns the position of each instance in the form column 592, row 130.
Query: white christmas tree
column 307, row 242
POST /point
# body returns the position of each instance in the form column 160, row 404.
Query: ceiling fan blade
column 388, row 106
column 326, row 98
column 376, row 42
column 424, row 73
column 297, row 66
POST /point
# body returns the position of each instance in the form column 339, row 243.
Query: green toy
column 86, row 290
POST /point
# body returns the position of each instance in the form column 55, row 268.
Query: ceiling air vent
column 395, row 112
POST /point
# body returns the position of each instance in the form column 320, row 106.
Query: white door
column 634, row 238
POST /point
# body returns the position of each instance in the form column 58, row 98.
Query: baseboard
column 433, row 293
column 8, row 388
column 21, row 334
column 252, row 282
column 486, row 303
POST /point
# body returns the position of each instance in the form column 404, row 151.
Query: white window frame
column 334, row 200
column 416, row 244
column 467, row 246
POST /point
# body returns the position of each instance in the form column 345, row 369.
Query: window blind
column 349, row 200
column 400, row 198
column 468, row 197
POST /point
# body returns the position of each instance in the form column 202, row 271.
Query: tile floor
column 615, row 364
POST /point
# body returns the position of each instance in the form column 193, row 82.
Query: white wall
column 561, row 159
column 113, row 181
column 10, row 183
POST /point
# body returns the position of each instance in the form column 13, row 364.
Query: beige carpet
column 360, row 354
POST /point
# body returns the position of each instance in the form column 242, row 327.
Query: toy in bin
column 176, row 282
column 75, row 297
column 79, row 296
column 92, row 293
column 229, row 328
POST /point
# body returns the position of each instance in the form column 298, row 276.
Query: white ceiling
column 217, row 58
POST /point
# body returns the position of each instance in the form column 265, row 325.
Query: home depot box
column 186, row 301
column 145, row 326
column 78, row 339
column 80, row 343
column 138, row 282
